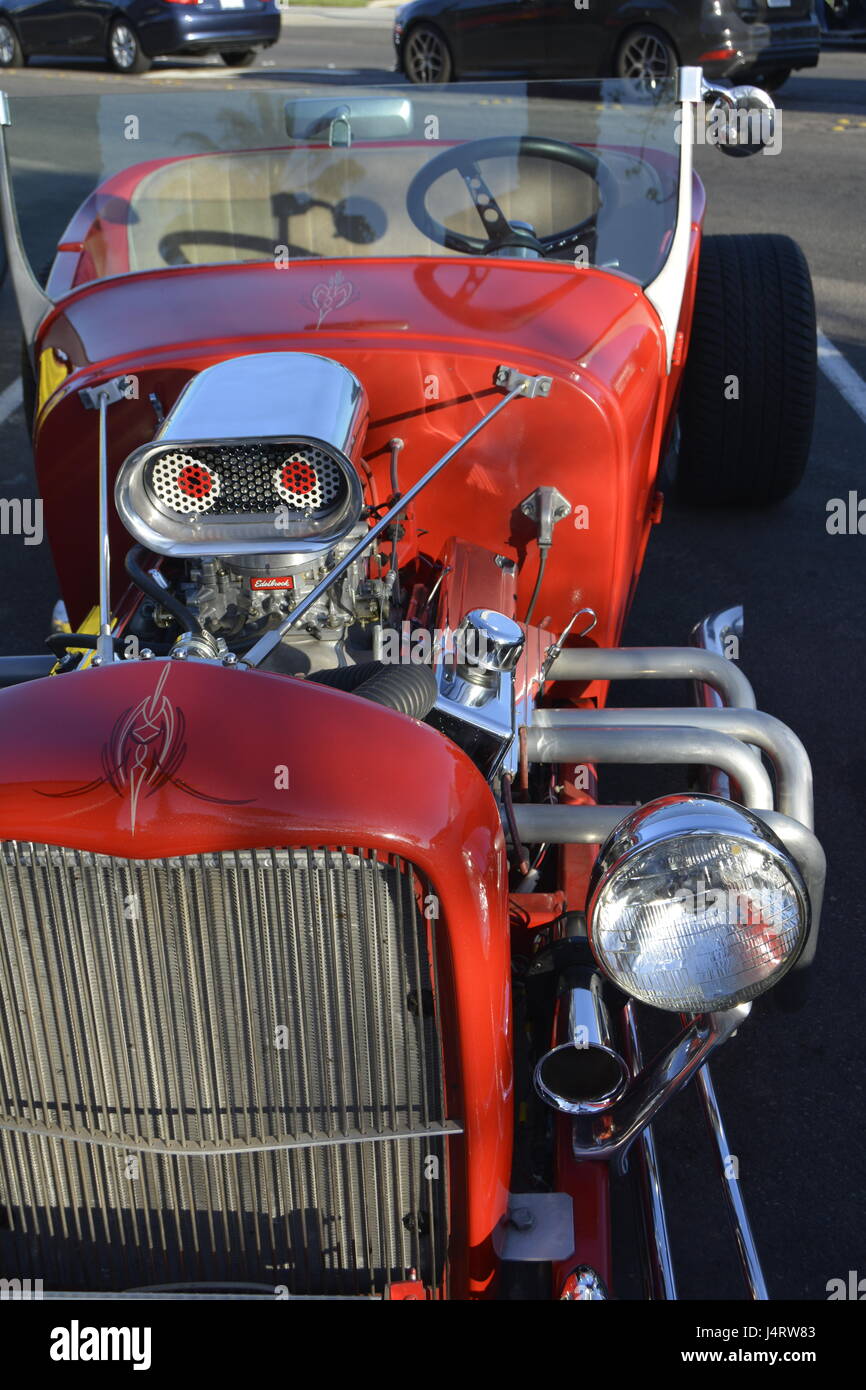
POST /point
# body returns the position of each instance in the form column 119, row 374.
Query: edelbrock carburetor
column 253, row 477
column 233, row 595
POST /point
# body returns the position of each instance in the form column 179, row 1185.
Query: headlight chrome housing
column 695, row 905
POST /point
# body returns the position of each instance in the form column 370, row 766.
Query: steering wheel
column 500, row 232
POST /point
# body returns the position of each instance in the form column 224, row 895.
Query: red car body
column 400, row 325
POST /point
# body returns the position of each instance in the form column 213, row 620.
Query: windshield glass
column 581, row 172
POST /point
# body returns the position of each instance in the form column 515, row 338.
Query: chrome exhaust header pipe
column 582, row 1073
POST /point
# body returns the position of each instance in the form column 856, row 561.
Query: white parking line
column 219, row 74
column 10, row 399
column 837, row 369
column 187, row 74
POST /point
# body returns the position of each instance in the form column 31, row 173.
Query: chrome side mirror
column 741, row 120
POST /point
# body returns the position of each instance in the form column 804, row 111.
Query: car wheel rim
column 646, row 61
column 7, row 45
column 425, row 59
column 123, row 46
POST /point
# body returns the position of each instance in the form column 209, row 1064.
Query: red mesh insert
column 298, row 477
column 194, row 481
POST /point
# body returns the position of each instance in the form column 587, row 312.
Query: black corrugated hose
column 164, row 597
column 410, row 690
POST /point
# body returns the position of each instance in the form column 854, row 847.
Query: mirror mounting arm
column 33, row 303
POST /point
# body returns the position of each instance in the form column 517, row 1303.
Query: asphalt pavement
column 791, row 1085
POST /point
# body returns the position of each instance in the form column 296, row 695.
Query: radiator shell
column 246, row 760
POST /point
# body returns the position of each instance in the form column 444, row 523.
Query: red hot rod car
column 324, row 954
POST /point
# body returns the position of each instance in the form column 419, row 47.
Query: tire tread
column 754, row 318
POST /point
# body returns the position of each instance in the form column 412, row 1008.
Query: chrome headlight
column 695, row 905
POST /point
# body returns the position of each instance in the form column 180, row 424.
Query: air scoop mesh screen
column 246, row 479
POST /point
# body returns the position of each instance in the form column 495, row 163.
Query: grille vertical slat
column 47, row 1182
column 406, row 1058
column 175, row 1057
column 422, row 1009
column 375, row 1061
column 93, row 1059
column 140, row 1000
column 389, row 1054
column 359, row 1061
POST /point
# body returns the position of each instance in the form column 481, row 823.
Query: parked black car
column 131, row 33
column 842, row 22
column 738, row 40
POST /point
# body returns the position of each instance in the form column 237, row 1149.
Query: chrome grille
column 225, row 1067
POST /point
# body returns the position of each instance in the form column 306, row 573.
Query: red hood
column 425, row 338
column 148, row 759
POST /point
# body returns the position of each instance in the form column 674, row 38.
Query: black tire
column 124, row 51
column 11, row 53
column 646, row 57
column 243, row 59
column 748, row 397
column 426, row 56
